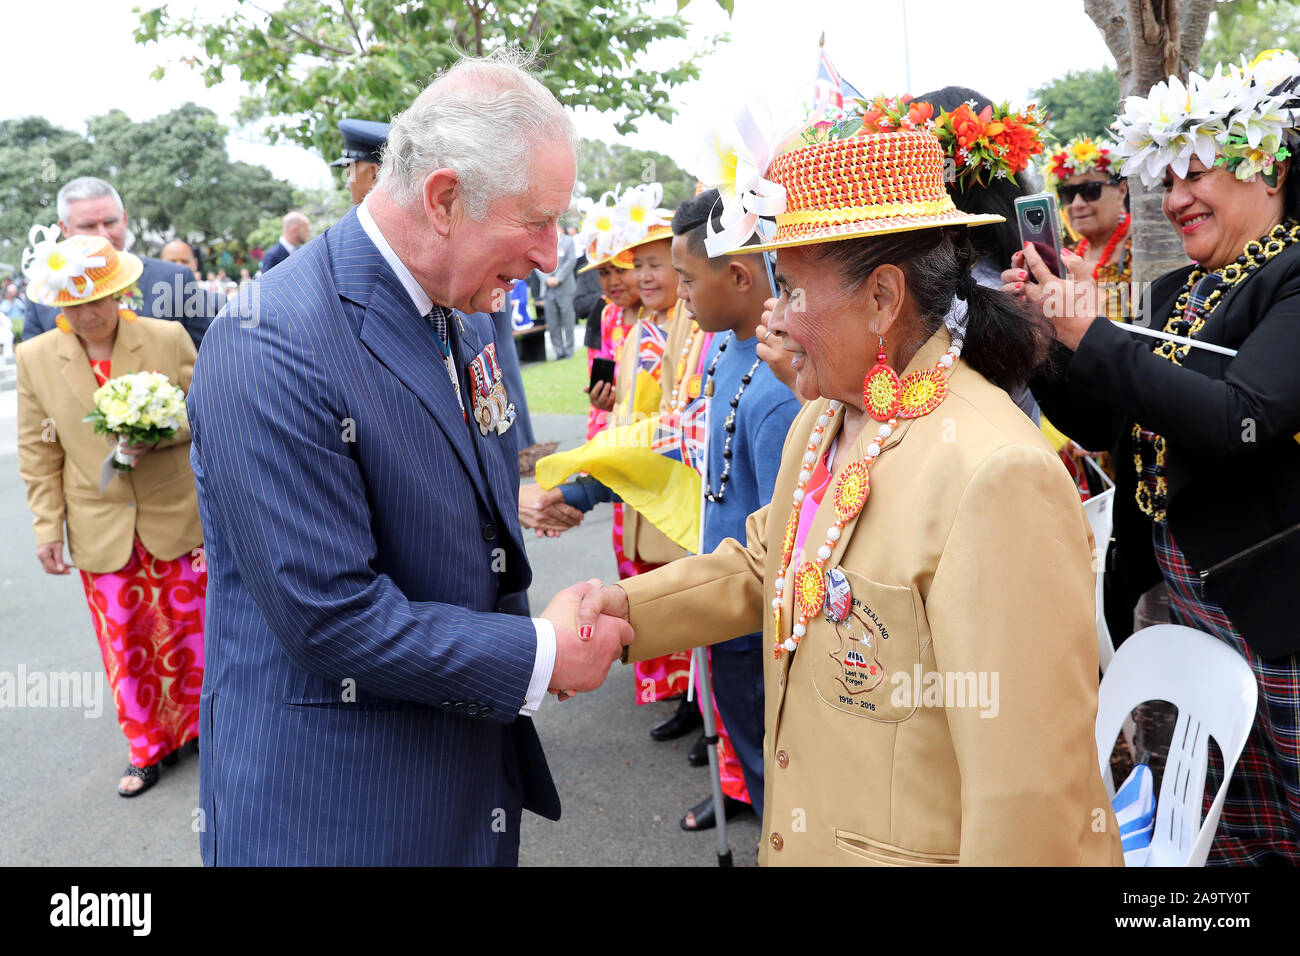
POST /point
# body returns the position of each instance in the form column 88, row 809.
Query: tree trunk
column 1150, row 40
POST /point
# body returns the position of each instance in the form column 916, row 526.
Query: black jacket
column 274, row 256
column 1233, row 465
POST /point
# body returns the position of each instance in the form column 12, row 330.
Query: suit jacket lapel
column 398, row 337
column 77, row 371
column 127, row 357
column 493, row 451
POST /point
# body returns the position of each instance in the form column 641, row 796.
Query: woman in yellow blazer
column 923, row 576
column 137, row 542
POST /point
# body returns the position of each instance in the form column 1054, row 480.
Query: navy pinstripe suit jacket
column 362, row 685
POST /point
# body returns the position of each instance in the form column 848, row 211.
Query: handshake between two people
column 591, row 630
column 545, row 512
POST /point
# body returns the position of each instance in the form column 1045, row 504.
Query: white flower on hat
column 735, row 163
column 52, row 266
column 638, row 211
column 601, row 225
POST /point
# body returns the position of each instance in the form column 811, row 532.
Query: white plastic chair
column 1214, row 690
column 1100, row 510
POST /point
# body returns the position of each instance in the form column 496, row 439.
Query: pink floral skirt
column 148, row 618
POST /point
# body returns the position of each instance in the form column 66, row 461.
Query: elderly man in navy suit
column 294, row 232
column 371, row 669
column 89, row 206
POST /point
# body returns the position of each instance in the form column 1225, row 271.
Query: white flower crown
column 1245, row 120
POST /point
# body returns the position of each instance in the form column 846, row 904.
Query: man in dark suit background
column 370, row 666
column 294, row 233
column 89, row 206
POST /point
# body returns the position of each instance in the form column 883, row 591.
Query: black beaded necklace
column 730, row 423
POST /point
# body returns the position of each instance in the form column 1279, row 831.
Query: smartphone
column 1040, row 224
column 602, row 370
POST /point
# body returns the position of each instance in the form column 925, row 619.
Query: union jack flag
column 830, row 89
column 681, row 435
column 651, row 348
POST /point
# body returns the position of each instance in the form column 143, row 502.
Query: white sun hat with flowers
column 639, row 218
column 601, row 234
column 76, row 270
column 1244, row 118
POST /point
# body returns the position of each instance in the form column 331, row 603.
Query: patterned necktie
column 437, row 319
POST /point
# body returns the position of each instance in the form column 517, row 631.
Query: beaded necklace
column 1108, row 250
column 679, row 383
column 1187, row 320
column 887, row 399
column 730, row 424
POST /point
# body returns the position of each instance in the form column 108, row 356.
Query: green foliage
column 172, row 172
column 1082, row 102
column 603, row 167
column 313, row 62
column 1249, row 27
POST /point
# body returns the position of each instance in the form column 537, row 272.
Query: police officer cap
column 362, row 140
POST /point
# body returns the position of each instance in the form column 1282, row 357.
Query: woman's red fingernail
column 1022, row 274
column 1019, row 286
column 584, row 632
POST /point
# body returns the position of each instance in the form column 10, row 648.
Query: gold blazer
column 950, row 718
column 60, row 456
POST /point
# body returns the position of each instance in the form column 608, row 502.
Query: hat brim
column 612, row 260
column 864, row 228
column 130, row 267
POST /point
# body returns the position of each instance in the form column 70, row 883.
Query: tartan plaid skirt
column 1261, row 814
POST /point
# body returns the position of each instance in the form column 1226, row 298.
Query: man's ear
column 442, row 201
column 740, row 272
column 63, row 228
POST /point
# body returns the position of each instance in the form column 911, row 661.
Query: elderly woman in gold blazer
column 923, row 575
column 137, row 541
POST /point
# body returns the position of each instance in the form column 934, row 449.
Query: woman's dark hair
column 997, row 241
column 1004, row 340
column 1291, row 191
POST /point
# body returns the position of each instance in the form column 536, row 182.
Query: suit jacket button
column 484, row 711
column 472, row 710
column 446, row 704
column 489, row 531
column 782, row 759
column 776, row 841
column 458, row 707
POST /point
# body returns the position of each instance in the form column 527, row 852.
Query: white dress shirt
column 544, row 662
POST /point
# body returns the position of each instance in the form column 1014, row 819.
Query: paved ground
column 623, row 794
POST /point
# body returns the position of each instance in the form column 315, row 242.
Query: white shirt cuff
column 543, row 666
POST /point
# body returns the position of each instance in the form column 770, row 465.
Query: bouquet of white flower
column 142, row 408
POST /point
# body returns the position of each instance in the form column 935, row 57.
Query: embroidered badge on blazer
column 492, row 408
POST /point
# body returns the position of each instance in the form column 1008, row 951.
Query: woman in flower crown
column 923, row 574
column 1094, row 203
column 1205, row 439
column 136, row 540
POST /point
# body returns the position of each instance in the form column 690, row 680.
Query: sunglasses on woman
column 1090, row 192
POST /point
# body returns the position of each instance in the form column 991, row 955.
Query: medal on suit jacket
column 492, row 407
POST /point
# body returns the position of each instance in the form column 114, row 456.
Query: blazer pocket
column 886, row 854
column 857, row 662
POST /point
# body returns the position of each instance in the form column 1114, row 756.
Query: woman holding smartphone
column 1205, row 443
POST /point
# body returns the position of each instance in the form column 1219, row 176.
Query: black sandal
column 706, row 819
column 148, row 774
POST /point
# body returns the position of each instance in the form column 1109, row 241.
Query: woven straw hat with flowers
column 837, row 176
column 76, row 270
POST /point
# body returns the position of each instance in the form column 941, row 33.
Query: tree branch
column 361, row 45
column 304, row 37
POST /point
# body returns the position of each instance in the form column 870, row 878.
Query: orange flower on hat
column 920, row 113
column 1019, row 141
column 966, row 126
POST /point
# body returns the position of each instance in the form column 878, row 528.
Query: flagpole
column 907, row 57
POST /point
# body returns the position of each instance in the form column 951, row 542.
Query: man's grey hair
column 483, row 118
column 85, row 187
